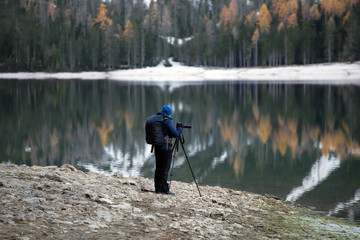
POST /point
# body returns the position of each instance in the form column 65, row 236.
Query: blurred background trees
column 74, row 35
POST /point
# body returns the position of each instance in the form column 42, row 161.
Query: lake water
column 298, row 142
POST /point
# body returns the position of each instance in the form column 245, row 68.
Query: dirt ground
column 64, row 203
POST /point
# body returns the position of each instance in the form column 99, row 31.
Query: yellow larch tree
column 334, row 7
column 129, row 31
column 101, row 18
column 251, row 19
column 225, row 18
column 314, row 13
column 233, row 13
column 255, row 37
column 264, row 19
column 310, row 13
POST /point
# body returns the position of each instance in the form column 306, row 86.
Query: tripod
column 175, row 149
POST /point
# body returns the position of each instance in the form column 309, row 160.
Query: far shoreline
column 324, row 73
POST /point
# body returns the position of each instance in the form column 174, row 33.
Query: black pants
column 163, row 161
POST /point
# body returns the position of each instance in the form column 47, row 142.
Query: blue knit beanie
column 167, row 110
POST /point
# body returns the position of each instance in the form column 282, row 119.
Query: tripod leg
column 187, row 159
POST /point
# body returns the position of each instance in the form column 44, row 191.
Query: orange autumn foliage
column 255, row 37
column 233, row 12
column 225, row 18
column 286, row 12
column 129, row 30
column 101, row 18
column 314, row 13
column 251, row 19
column 264, row 19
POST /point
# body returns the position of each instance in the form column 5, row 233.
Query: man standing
column 163, row 152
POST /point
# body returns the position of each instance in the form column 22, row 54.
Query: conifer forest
column 88, row 35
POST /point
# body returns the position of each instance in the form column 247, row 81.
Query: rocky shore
column 65, row 203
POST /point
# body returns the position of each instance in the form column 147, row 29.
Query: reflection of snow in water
column 348, row 204
column 122, row 163
column 218, row 160
column 215, row 162
column 320, row 171
column 191, row 150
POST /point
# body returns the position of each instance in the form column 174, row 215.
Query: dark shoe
column 169, row 193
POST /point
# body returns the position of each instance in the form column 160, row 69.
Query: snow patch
column 334, row 74
column 176, row 41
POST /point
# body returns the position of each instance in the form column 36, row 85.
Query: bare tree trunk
column 128, row 54
column 142, row 48
column 286, row 60
column 329, row 50
column 135, row 54
column 244, row 52
column 256, row 55
column 27, row 56
column 240, row 58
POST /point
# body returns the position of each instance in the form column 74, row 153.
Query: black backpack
column 154, row 129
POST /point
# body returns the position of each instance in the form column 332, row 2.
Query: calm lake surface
column 298, row 142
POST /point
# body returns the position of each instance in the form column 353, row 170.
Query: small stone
column 157, row 205
column 237, row 226
column 122, row 206
column 137, row 210
column 24, row 238
column 34, row 200
column 104, row 200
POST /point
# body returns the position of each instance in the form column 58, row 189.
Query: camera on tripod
column 182, row 125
